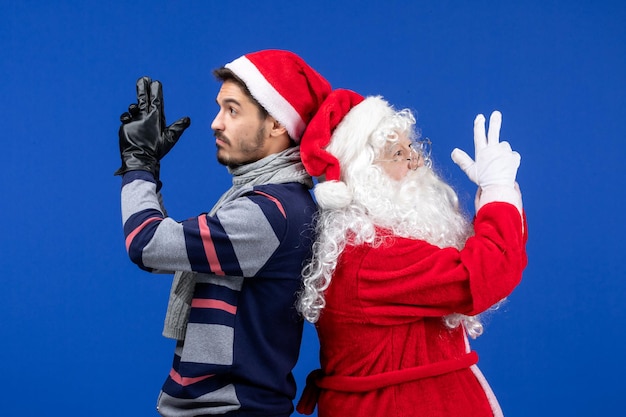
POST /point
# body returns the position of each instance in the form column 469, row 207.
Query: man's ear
column 277, row 128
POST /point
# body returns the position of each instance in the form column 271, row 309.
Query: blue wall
column 80, row 325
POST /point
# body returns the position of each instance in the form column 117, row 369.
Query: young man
column 398, row 273
column 232, row 302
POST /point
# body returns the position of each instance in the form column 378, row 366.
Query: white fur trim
column 364, row 118
column 501, row 193
column 332, row 195
column 352, row 134
column 275, row 104
column 491, row 397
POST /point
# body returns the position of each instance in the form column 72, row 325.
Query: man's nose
column 218, row 123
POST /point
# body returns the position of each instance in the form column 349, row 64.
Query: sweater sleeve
column 408, row 278
column 223, row 244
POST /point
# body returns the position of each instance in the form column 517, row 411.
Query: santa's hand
column 496, row 164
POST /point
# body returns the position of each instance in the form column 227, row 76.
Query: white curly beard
column 420, row 206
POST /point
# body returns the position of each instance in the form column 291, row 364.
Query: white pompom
column 332, row 195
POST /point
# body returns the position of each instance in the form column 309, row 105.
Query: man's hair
column 224, row 74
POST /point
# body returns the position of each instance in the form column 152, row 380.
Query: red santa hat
column 286, row 86
column 346, row 120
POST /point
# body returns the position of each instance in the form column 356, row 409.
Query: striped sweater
column 243, row 334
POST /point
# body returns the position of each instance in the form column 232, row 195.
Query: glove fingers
column 176, row 129
column 156, row 98
column 462, row 159
column 506, row 146
column 172, row 134
column 518, row 159
column 143, row 98
column 127, row 117
column 133, row 109
column 466, row 163
column 495, row 122
column 480, row 139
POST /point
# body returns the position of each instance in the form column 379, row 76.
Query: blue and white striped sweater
column 249, row 257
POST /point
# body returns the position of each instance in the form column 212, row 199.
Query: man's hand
column 496, row 164
column 144, row 138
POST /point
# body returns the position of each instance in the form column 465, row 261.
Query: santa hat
column 286, row 86
column 345, row 120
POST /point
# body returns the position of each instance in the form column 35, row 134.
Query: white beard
column 420, row 206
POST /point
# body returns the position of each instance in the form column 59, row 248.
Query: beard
column 248, row 150
column 420, row 206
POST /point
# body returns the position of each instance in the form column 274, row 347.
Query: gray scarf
column 279, row 168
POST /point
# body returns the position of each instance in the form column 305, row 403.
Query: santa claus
column 399, row 273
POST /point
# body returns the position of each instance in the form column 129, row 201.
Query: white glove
column 496, row 165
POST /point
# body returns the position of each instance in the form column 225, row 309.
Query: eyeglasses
column 417, row 154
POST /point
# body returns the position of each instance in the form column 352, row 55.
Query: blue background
column 80, row 325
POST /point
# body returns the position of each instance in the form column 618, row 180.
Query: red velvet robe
column 383, row 327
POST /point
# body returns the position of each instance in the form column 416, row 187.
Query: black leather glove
column 144, row 137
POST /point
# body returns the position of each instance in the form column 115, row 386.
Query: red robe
column 385, row 350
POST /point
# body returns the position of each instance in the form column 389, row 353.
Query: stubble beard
column 248, row 149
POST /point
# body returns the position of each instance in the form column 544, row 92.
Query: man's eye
column 232, row 110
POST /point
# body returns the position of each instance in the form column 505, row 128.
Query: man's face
column 240, row 133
